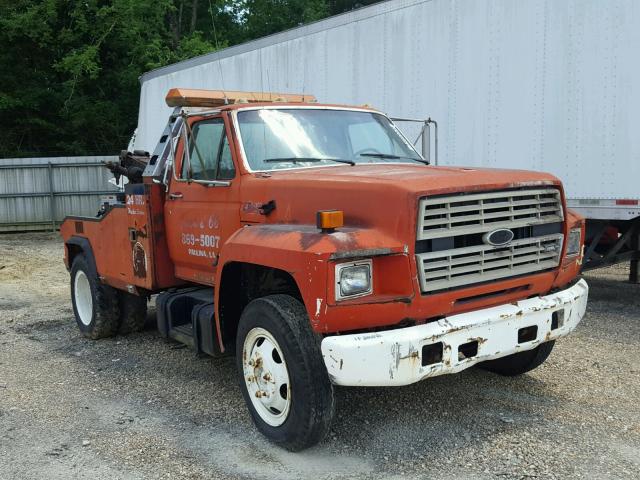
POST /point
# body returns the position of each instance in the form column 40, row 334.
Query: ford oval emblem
column 498, row 238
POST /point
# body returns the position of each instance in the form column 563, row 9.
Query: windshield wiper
column 308, row 159
column 388, row 156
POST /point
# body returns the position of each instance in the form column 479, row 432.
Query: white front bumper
column 395, row 357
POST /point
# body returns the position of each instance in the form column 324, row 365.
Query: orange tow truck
column 315, row 244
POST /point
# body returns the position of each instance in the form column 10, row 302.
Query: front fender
column 305, row 253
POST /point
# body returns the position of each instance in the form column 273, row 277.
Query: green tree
column 264, row 17
column 341, row 6
column 69, row 81
column 69, row 69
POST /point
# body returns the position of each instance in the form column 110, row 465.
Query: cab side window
column 226, row 169
column 209, row 152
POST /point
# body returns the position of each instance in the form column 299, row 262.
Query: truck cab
column 315, row 244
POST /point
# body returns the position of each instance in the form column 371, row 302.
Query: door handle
column 175, row 195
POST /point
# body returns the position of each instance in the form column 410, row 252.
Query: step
column 183, row 334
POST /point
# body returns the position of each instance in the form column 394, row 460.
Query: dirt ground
column 139, row 407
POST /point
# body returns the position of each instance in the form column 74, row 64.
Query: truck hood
column 420, row 179
column 383, row 197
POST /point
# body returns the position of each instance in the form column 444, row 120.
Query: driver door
column 202, row 206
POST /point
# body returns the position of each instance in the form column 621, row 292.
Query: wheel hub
column 266, row 376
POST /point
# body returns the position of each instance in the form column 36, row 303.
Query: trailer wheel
column 133, row 312
column 282, row 374
column 521, row 362
column 95, row 305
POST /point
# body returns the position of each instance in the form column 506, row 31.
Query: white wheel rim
column 82, row 294
column 266, row 376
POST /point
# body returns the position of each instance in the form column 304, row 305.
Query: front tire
column 521, row 362
column 282, row 374
column 95, row 305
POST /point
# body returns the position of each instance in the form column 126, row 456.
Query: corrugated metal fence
column 37, row 193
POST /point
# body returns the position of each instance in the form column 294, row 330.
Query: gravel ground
column 139, row 407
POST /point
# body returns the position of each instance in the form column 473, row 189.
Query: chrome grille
column 450, row 229
column 465, row 266
column 482, row 212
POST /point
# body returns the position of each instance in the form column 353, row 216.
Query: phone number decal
column 201, row 240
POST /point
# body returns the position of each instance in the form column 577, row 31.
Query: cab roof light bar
column 188, row 97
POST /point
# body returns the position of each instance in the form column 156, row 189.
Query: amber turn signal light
column 329, row 220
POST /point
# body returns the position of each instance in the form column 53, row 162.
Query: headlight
column 573, row 242
column 353, row 279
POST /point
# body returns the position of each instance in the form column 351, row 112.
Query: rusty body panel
column 188, row 234
column 200, row 214
column 128, row 243
column 365, row 193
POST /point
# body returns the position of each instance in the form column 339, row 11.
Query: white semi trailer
column 551, row 85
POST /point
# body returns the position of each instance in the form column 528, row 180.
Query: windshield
column 297, row 137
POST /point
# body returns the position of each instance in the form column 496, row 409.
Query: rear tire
column 95, row 305
column 519, row 363
column 282, row 374
column 133, row 312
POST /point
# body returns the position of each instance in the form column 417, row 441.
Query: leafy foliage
column 69, row 69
